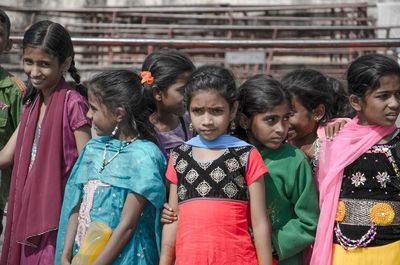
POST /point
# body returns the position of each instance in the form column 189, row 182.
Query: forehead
column 38, row 53
column 389, row 83
column 208, row 98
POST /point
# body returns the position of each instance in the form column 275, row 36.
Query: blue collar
column 223, row 141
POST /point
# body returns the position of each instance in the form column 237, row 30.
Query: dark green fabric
column 10, row 109
column 292, row 202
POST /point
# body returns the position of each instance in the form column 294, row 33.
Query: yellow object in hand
column 95, row 240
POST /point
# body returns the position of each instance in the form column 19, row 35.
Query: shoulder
column 74, row 96
column 145, row 148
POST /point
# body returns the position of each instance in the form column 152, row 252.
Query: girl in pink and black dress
column 52, row 131
column 216, row 181
column 358, row 172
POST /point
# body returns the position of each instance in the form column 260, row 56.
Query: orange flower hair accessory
column 146, row 77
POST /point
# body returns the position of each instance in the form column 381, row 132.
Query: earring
column 232, row 126
column 191, row 127
column 114, row 132
column 317, row 118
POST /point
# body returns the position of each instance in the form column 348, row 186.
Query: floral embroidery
column 358, row 179
column 382, row 214
column 341, row 211
column 182, row 192
column 191, row 176
column 232, row 164
column 230, row 190
column 217, row 174
column 383, row 178
column 203, row 188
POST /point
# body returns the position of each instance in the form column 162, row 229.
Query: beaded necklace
column 106, row 162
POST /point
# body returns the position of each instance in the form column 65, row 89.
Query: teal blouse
column 138, row 168
column 292, row 202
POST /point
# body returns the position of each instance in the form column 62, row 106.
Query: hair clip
column 146, row 77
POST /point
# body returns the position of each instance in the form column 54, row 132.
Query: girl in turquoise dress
column 118, row 178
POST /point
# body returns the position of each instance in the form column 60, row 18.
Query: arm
column 260, row 222
column 66, row 256
column 169, row 230
column 300, row 230
column 82, row 136
column 130, row 215
column 7, row 153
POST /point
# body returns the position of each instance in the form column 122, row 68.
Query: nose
column 89, row 114
column 394, row 102
column 35, row 71
column 280, row 128
column 207, row 119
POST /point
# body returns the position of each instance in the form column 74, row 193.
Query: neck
column 125, row 134
column 164, row 120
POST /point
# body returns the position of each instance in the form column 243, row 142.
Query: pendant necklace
column 105, row 161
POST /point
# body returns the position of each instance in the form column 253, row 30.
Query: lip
column 208, row 131
column 36, row 81
column 392, row 116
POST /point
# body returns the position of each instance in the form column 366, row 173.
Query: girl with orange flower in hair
column 166, row 72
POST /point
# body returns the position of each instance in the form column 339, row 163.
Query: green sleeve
column 299, row 232
column 15, row 107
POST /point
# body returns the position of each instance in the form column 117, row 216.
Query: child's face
column 42, row 68
column 172, row 98
column 102, row 119
column 5, row 42
column 301, row 123
column 382, row 106
column 269, row 129
column 210, row 114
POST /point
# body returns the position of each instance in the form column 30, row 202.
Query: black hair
column 364, row 74
column 54, row 39
column 259, row 94
column 212, row 77
column 123, row 89
column 311, row 88
column 166, row 66
column 341, row 105
column 4, row 19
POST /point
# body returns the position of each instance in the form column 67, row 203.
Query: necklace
column 122, row 147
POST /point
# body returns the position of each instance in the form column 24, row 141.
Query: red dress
column 213, row 206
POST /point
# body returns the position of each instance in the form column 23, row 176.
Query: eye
column 217, row 111
column 196, row 110
column 27, row 62
column 44, row 64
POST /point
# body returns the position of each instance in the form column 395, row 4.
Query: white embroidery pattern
column 182, row 192
column 84, row 211
column 243, row 159
column 174, row 157
column 181, row 166
column 203, row 188
column 191, row 176
column 230, row 189
column 217, row 174
column 184, row 147
column 240, row 181
column 358, row 179
column 204, row 165
column 232, row 164
column 383, row 178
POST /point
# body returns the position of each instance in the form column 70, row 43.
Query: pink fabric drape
column 351, row 142
column 36, row 196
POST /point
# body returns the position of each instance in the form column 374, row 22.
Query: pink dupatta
column 351, row 142
column 35, row 198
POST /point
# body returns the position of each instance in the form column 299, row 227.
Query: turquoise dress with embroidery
column 139, row 168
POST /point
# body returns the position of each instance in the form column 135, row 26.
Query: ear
column 157, row 93
column 355, row 102
column 318, row 112
column 233, row 111
column 244, row 122
column 66, row 64
column 8, row 45
column 119, row 114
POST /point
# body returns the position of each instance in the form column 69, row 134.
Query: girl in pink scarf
column 365, row 203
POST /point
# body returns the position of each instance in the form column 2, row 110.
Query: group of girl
column 76, row 200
